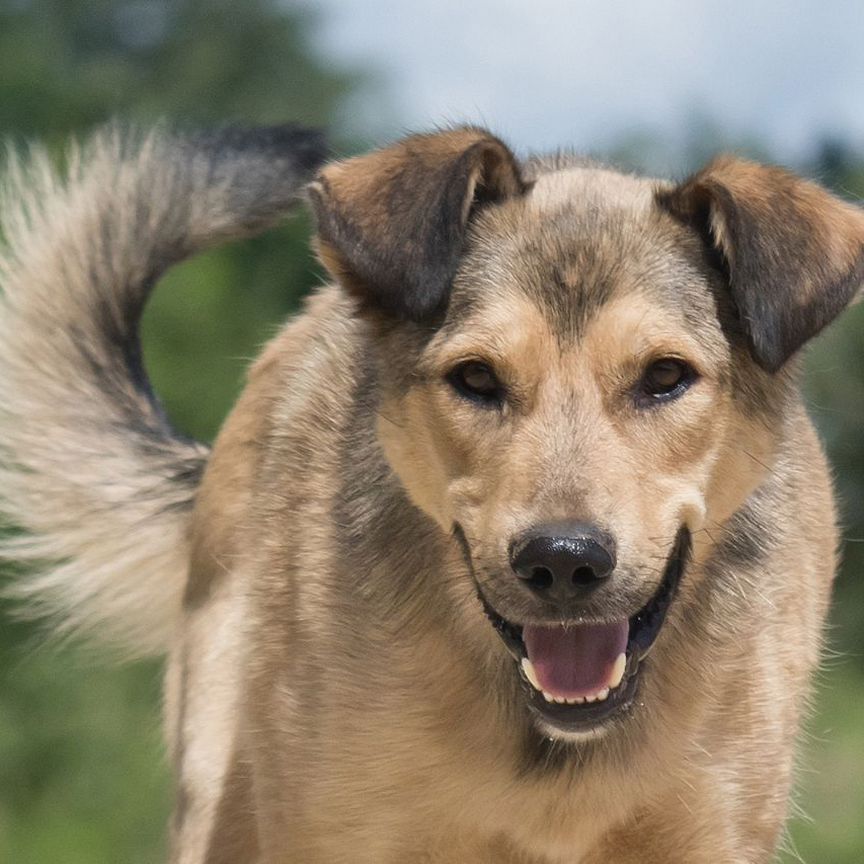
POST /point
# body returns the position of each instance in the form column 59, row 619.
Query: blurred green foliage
column 82, row 775
column 69, row 64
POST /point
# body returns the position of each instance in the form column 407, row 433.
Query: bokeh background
column 656, row 86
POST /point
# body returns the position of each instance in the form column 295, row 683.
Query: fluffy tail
column 95, row 481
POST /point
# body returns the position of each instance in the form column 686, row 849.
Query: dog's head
column 579, row 371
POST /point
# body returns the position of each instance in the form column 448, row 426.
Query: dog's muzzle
column 580, row 674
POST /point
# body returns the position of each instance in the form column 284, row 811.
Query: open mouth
column 577, row 674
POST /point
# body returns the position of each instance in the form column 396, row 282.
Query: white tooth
column 618, row 670
column 547, row 697
column 530, row 674
column 590, row 697
column 599, row 697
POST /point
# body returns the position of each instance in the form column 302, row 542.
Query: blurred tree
column 69, row 64
column 82, row 779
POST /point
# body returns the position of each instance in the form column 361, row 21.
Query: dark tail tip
column 256, row 174
column 306, row 149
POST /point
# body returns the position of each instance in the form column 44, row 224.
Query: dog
column 517, row 546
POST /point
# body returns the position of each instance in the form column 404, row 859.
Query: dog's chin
column 586, row 701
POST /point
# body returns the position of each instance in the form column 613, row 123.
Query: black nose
column 563, row 562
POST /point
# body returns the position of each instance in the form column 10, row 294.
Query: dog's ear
column 392, row 224
column 793, row 253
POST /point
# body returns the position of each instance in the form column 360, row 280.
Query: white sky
column 550, row 73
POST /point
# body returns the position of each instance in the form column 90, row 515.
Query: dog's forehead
column 590, row 187
column 581, row 237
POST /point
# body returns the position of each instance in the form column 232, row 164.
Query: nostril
column 584, row 575
column 563, row 563
column 541, row 578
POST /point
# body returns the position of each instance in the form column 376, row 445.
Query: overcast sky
column 550, row 73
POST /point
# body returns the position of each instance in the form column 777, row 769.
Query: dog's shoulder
column 299, row 387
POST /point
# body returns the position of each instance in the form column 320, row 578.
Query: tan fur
column 335, row 692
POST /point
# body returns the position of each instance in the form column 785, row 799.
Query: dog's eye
column 666, row 379
column 477, row 381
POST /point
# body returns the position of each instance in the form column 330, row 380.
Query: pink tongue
column 576, row 660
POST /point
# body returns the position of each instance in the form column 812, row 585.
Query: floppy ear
column 391, row 225
column 794, row 254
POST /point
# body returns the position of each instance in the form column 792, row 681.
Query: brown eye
column 666, row 379
column 477, row 381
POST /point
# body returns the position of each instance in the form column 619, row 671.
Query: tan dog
column 518, row 545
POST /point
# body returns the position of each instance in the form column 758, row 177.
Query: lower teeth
column 615, row 679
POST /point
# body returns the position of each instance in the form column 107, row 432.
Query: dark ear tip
column 768, row 353
column 426, row 305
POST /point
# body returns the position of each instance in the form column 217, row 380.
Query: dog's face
column 579, row 373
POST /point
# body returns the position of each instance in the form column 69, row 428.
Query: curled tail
column 97, row 485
